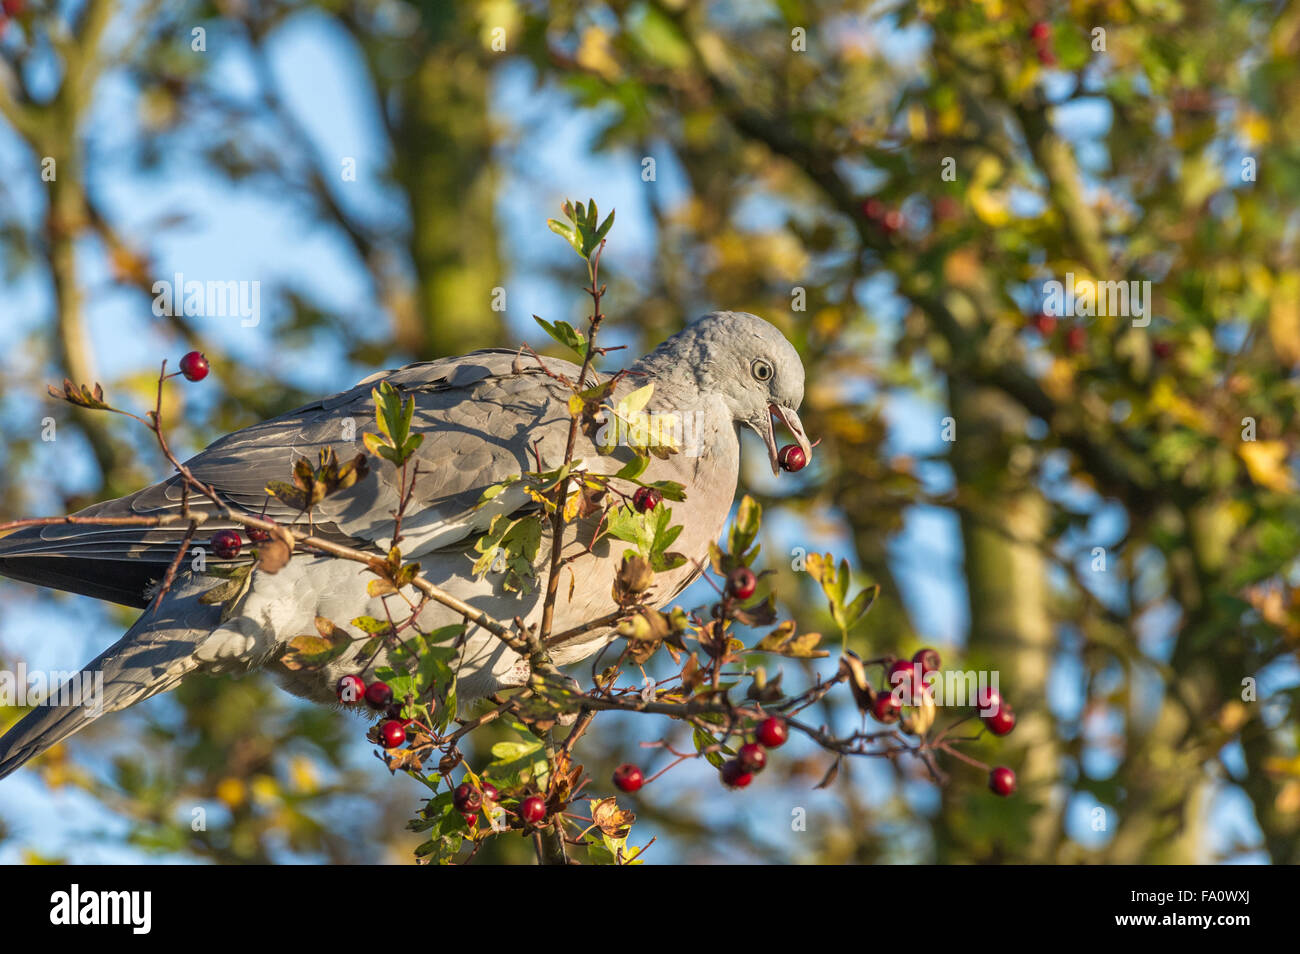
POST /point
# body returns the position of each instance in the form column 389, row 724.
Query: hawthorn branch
column 562, row 490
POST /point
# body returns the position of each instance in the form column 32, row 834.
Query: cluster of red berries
column 889, row 220
column 1041, row 34
column 771, row 733
column 737, row 772
column 999, row 718
column 378, row 696
column 791, row 458
column 751, row 758
column 1076, row 338
column 997, row 714
column 227, row 543
column 909, row 676
column 468, row 800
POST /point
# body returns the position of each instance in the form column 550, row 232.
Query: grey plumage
column 485, row 416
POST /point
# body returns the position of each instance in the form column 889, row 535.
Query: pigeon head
column 751, row 365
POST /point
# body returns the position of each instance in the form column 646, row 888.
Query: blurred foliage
column 812, row 138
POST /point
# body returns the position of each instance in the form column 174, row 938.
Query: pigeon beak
column 767, row 430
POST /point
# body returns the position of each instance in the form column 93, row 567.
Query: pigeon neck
column 671, row 370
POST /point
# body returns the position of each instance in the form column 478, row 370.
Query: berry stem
column 963, row 757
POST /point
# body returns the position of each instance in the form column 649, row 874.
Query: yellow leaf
column 1255, row 130
column 595, row 53
column 1284, row 317
column 571, row 505
column 1165, row 398
column 989, row 205
column 634, row 402
column 232, row 792
column 302, row 775
column 1266, row 463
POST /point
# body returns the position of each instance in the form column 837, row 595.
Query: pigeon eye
column 762, row 370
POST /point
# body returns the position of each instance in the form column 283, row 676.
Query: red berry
column 378, row 695
column 927, row 660
column 892, row 222
column 1002, row 721
column 772, row 732
column 533, row 810
column 734, row 774
column 1040, row 31
column 226, row 544
column 1044, row 324
column 1076, row 339
column 873, row 209
column 351, row 690
column 490, row 792
column 946, row 207
column 628, row 777
column 12, row 8
column 194, row 366
column 886, row 708
column 1162, row 349
column 471, row 819
column 1046, row 56
column 792, row 458
column 466, row 798
column 392, row 733
column 1002, row 781
column 741, row 582
column 901, row 669
column 905, row 676
column 987, row 701
column 752, row 757
column 646, row 499
column 258, row 535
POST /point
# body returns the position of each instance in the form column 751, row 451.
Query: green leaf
column 670, row 489
column 702, row 741
column 568, row 233
column 504, row 753
column 635, row 468
column 565, row 334
column 862, row 603
column 393, row 417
